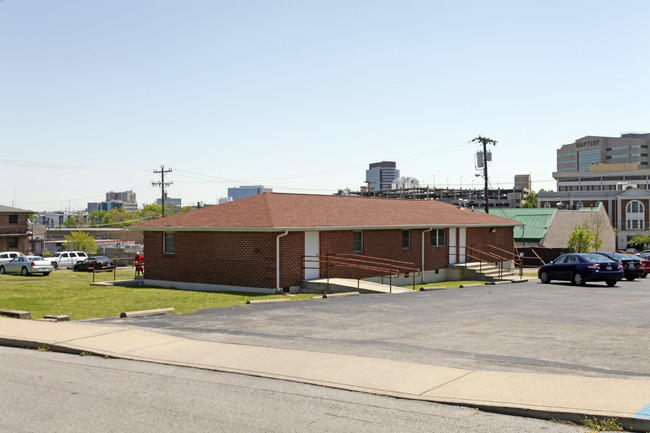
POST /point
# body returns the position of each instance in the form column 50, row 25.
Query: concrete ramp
column 340, row 285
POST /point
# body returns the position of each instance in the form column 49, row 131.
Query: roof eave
column 317, row 228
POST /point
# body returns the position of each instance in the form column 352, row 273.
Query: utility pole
column 485, row 141
column 162, row 184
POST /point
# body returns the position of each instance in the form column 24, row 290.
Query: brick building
column 628, row 209
column 14, row 229
column 261, row 241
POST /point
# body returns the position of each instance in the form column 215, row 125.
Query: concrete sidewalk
column 535, row 395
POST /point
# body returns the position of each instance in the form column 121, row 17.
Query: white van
column 67, row 259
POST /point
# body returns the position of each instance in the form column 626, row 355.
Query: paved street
column 69, row 393
column 526, row 327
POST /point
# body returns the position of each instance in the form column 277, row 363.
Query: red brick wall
column 646, row 205
column 479, row 237
column 248, row 258
column 18, row 231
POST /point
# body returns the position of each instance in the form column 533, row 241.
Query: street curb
column 157, row 312
column 340, row 295
column 266, row 301
column 18, row 314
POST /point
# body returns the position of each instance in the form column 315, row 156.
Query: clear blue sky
column 301, row 96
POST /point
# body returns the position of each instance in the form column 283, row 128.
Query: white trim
column 315, row 228
column 277, row 260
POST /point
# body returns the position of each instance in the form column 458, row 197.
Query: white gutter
column 314, row 228
column 422, row 268
column 277, row 260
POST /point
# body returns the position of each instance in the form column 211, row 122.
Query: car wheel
column 630, row 278
column 45, row 274
column 611, row 283
column 578, row 279
column 543, row 277
column 56, row 265
column 2, row 270
column 24, row 272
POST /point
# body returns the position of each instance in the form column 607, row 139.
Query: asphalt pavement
column 505, row 349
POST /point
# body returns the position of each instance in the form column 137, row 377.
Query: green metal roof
column 536, row 221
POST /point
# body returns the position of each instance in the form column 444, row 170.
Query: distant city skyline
column 301, row 96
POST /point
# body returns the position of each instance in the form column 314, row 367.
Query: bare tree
column 596, row 224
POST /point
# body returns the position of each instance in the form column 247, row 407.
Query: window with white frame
column 357, row 241
column 635, row 215
column 438, row 237
column 169, row 243
column 579, row 205
column 406, row 239
column 547, row 205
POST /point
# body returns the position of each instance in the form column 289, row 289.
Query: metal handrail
column 384, row 267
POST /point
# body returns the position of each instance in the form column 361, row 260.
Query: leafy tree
column 531, row 200
column 640, row 239
column 151, row 211
column 80, row 241
column 120, row 217
column 70, row 222
column 580, row 240
column 98, row 218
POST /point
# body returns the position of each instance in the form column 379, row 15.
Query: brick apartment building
column 14, row 229
column 261, row 241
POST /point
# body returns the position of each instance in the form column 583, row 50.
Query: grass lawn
column 70, row 293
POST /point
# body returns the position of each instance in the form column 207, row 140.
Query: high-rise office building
column 595, row 163
column 380, row 175
column 246, row 191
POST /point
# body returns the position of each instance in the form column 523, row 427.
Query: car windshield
column 34, row 258
column 596, row 258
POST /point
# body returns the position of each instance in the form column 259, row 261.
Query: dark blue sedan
column 580, row 268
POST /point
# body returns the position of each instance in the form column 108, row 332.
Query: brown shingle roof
column 274, row 211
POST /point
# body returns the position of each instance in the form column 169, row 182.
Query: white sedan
column 26, row 265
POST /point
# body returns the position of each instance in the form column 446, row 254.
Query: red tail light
column 594, row 266
column 620, row 266
column 32, row 264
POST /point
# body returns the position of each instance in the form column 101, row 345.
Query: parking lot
column 592, row 330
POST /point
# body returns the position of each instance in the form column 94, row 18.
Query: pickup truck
column 67, row 259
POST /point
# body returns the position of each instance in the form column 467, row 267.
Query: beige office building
column 594, row 163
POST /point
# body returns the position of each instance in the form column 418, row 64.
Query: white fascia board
column 326, row 228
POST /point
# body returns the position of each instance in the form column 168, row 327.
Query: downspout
column 277, row 260
column 422, row 268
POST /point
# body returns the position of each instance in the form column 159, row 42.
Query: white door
column 312, row 251
column 452, row 246
column 462, row 244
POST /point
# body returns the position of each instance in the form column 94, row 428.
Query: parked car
column 26, row 265
column 8, row 255
column 67, row 259
column 644, row 253
column 645, row 264
column 94, row 263
column 581, row 268
column 631, row 265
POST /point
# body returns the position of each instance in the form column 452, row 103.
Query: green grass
column 70, row 293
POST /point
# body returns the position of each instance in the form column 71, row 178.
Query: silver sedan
column 26, row 265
